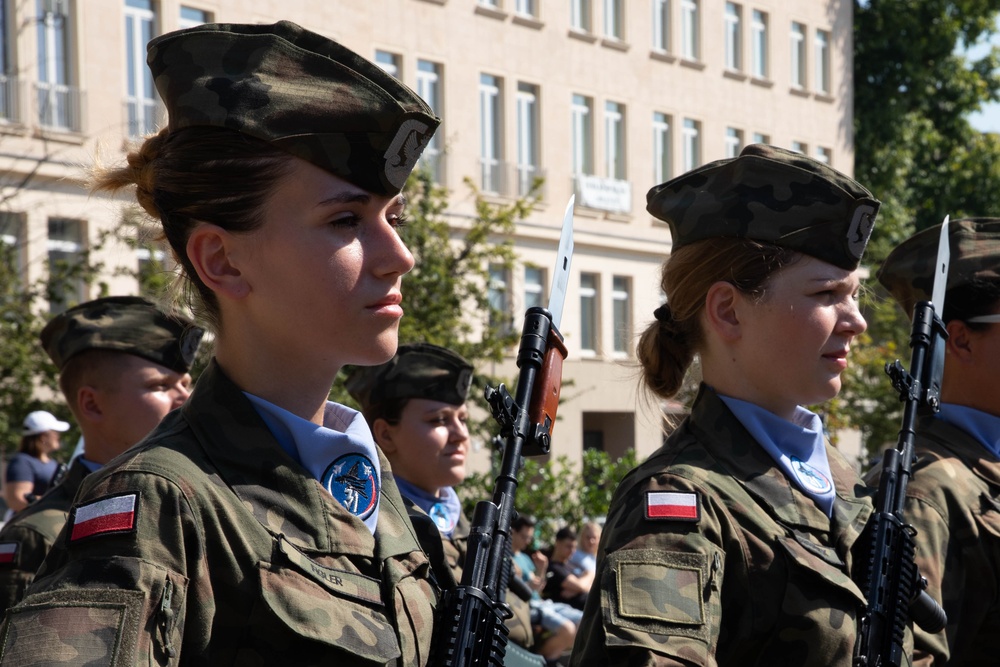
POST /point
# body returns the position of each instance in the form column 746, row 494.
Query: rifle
column 471, row 630
column 895, row 590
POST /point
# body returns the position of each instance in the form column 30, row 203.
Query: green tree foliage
column 555, row 493
column 916, row 151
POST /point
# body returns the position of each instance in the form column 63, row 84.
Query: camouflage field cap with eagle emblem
column 298, row 90
column 771, row 195
column 419, row 370
column 908, row 271
column 128, row 324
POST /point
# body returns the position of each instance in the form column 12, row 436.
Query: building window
column 614, row 19
column 734, row 39
column 65, row 247
column 822, row 83
column 391, row 63
column 492, row 4
column 527, row 137
column 499, row 298
column 761, row 138
column 58, row 103
column 588, row 313
column 692, row 144
column 824, row 155
column 8, row 81
column 661, row 25
column 579, row 15
column 621, row 288
column 799, row 147
column 583, row 135
column 190, row 17
column 662, row 141
column 490, row 123
column 534, row 290
column 758, row 44
column 614, row 140
column 140, row 102
column 734, row 141
column 429, row 83
column 11, row 243
column 527, row 8
column 798, row 55
column 690, row 44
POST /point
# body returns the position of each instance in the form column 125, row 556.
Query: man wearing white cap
column 31, row 469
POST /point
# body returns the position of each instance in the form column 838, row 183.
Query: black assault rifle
column 471, row 629
column 895, row 589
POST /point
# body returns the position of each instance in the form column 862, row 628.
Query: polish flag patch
column 111, row 515
column 673, row 506
column 8, row 552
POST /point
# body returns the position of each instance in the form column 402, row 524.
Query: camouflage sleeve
column 660, row 582
column 932, row 539
column 21, row 553
column 115, row 588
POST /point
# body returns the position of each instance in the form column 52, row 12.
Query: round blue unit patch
column 352, row 481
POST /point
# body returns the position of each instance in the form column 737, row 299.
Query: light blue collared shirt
column 444, row 509
column 983, row 426
column 798, row 447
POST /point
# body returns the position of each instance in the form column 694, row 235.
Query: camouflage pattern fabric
column 908, row 272
column 763, row 578
column 298, row 90
column 123, row 324
column 418, row 370
column 771, row 195
column 34, row 531
column 953, row 501
column 237, row 556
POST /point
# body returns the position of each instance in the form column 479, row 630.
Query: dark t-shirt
column 26, row 468
column 554, row 579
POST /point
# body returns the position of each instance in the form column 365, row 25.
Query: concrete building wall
column 43, row 170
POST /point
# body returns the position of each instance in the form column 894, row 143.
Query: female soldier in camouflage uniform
column 258, row 525
column 732, row 544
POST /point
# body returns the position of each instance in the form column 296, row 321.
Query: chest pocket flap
column 811, row 560
column 352, row 620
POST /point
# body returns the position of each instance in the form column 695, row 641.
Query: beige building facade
column 601, row 98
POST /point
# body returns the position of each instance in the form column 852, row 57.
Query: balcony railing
column 142, row 116
column 10, row 99
column 436, row 162
column 59, row 106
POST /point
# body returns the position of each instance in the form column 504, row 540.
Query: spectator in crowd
column 562, row 583
column 584, row 558
column 31, row 469
column 554, row 623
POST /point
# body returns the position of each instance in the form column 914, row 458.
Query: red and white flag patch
column 114, row 514
column 673, row 505
column 8, row 552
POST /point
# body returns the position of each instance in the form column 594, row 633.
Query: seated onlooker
column 31, row 469
column 561, row 584
column 554, row 623
column 584, row 559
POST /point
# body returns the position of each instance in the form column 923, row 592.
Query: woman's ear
column 210, row 251
column 722, row 310
column 383, row 433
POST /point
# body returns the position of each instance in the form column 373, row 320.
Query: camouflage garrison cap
column 771, row 195
column 419, row 370
column 306, row 94
column 908, row 271
column 128, row 324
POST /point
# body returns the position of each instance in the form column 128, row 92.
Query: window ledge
column 824, row 97
column 498, row 14
column 763, row 83
column 735, row 75
column 665, row 56
column 588, row 37
column 437, row 2
column 63, row 136
column 693, row 64
column 615, row 43
column 12, row 127
column 800, row 92
column 587, row 212
column 619, row 216
column 527, row 21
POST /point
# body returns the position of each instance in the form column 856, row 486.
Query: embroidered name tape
column 8, row 552
column 673, row 505
column 114, row 514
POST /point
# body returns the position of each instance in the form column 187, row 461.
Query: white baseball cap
column 41, row 421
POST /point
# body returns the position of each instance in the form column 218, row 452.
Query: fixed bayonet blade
column 560, row 277
column 941, row 269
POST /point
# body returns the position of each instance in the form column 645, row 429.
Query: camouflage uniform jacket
column 953, row 500
column 31, row 533
column 762, row 578
column 236, row 556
